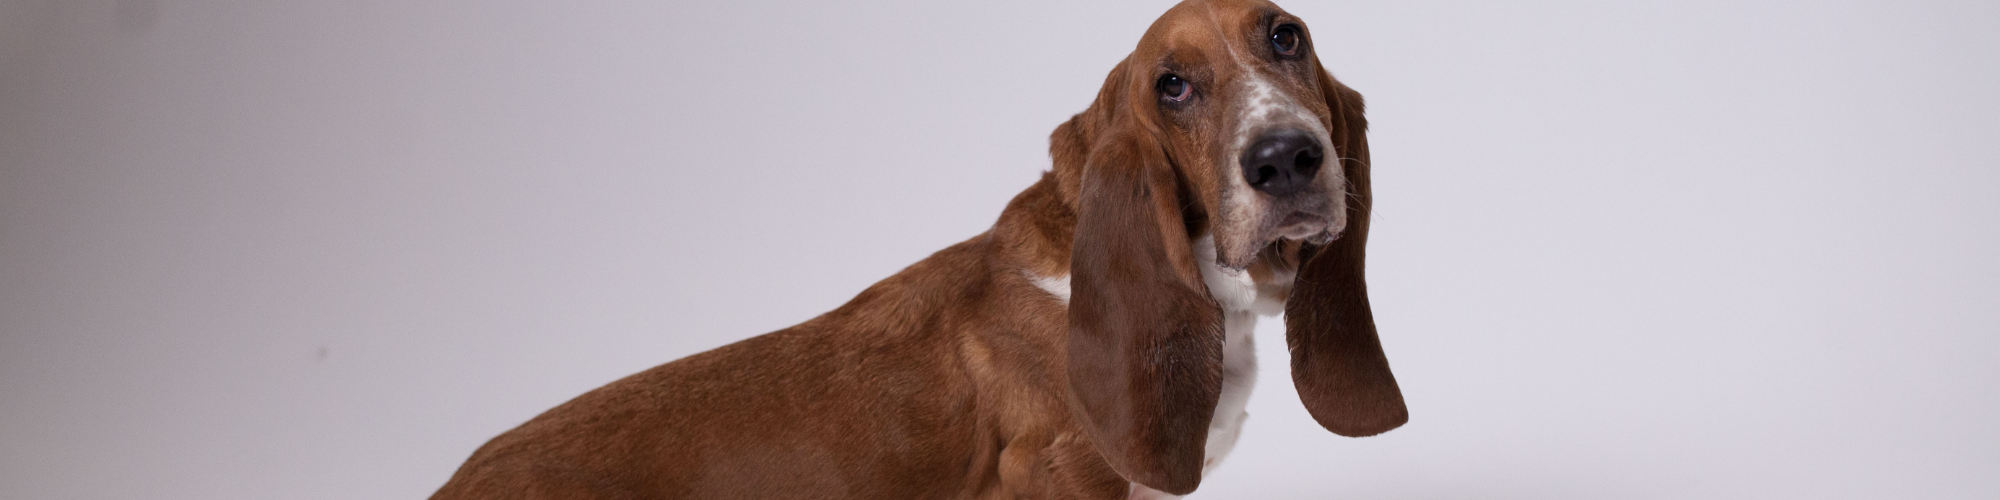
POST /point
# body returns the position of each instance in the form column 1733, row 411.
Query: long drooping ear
column 1337, row 361
column 1145, row 339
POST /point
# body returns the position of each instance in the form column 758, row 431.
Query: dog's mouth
column 1317, row 225
column 1317, row 228
column 1307, row 218
column 1297, row 225
column 1317, row 215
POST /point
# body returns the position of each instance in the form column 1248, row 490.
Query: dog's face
column 1235, row 90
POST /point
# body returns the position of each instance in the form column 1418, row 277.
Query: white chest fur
column 1241, row 305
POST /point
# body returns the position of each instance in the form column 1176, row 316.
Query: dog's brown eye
column 1175, row 89
column 1285, row 40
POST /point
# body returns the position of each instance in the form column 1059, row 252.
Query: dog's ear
column 1145, row 338
column 1337, row 361
column 1073, row 141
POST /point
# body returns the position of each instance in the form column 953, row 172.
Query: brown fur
column 960, row 378
column 1145, row 339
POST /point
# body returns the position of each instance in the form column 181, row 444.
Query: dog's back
column 873, row 389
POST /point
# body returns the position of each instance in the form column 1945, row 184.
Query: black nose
column 1282, row 162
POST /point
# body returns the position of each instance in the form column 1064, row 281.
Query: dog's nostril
column 1307, row 160
column 1264, row 174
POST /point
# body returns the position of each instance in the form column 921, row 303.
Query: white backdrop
column 322, row 250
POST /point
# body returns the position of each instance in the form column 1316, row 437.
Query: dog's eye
column 1285, row 40
column 1175, row 89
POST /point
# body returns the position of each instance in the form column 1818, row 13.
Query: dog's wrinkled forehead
column 1218, row 75
column 1224, row 48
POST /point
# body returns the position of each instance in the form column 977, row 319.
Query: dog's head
column 1220, row 123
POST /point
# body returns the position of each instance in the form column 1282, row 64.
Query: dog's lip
column 1300, row 222
column 1298, row 225
column 1300, row 217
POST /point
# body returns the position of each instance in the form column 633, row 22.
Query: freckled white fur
column 1260, row 100
column 1263, row 105
column 1264, row 108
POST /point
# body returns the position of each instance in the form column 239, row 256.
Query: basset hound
column 1094, row 344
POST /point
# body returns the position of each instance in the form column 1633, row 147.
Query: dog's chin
column 1317, row 234
column 1308, row 227
column 1297, row 226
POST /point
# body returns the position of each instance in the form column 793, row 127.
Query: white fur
column 1141, row 492
column 1241, row 304
column 1260, row 101
column 1057, row 286
column 1263, row 105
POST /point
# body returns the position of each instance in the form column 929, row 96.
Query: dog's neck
column 1041, row 229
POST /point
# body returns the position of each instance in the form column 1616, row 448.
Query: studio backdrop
column 324, row 249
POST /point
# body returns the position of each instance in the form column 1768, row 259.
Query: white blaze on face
column 1260, row 101
column 1264, row 108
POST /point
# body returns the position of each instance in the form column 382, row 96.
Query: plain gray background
column 323, row 250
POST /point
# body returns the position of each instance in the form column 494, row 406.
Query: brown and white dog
column 1094, row 344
